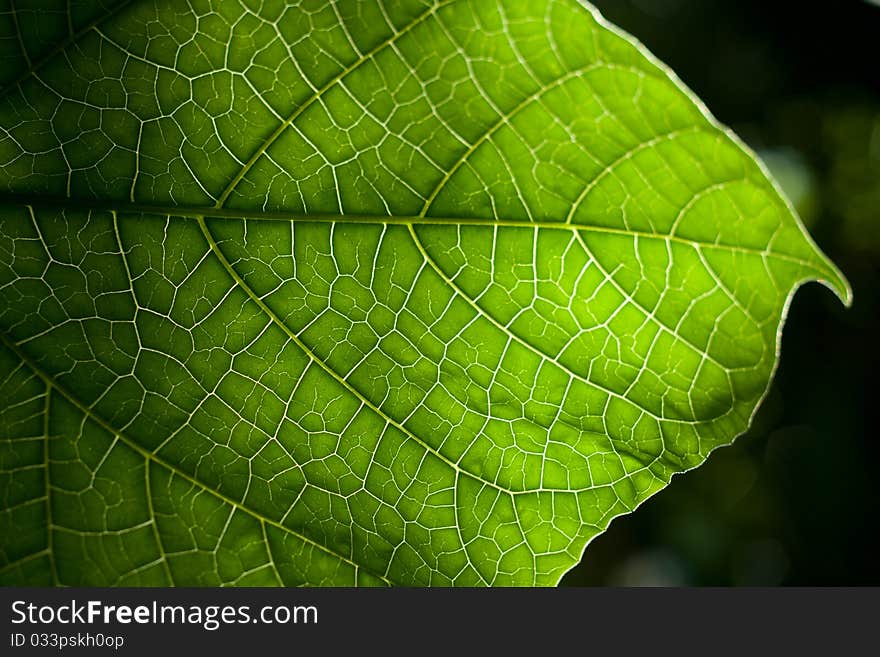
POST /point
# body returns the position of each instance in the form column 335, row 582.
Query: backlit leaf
column 363, row 292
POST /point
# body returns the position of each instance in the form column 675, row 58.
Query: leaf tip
column 835, row 281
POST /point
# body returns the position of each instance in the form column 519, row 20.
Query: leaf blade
column 433, row 320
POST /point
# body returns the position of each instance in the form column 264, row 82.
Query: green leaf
column 363, row 292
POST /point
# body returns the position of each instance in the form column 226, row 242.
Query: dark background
column 795, row 501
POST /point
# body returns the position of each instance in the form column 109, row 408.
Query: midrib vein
column 150, row 456
column 34, row 201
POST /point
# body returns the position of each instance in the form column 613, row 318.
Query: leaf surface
column 363, row 292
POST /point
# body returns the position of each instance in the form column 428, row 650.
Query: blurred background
column 796, row 500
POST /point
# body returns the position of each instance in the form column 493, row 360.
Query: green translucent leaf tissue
column 362, row 292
